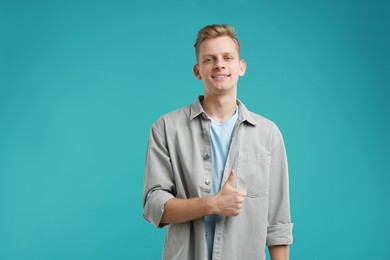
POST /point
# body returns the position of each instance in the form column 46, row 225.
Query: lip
column 220, row 76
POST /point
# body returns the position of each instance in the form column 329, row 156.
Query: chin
column 221, row 90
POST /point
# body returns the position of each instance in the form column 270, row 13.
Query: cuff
column 279, row 234
column 154, row 206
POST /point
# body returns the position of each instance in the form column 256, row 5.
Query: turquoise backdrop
column 81, row 82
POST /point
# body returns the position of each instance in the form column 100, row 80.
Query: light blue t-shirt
column 220, row 137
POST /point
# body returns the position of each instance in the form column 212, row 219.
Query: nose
column 219, row 64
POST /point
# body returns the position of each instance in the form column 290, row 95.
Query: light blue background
column 81, row 82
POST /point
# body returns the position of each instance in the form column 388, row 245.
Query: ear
column 196, row 71
column 242, row 68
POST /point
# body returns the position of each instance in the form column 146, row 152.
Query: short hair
column 214, row 31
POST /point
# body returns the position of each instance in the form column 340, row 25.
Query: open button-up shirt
column 178, row 165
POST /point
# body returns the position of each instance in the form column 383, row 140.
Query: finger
column 241, row 192
column 231, row 177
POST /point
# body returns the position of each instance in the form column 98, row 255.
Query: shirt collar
column 244, row 115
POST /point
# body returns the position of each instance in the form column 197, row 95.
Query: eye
column 206, row 60
column 229, row 58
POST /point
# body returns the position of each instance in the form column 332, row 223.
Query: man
column 216, row 173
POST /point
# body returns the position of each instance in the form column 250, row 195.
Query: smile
column 220, row 76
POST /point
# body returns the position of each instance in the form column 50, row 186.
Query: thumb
column 230, row 180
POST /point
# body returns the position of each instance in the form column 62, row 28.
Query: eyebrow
column 212, row 55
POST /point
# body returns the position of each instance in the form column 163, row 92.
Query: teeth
column 220, row 76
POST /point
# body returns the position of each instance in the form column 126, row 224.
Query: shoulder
column 261, row 120
column 266, row 127
column 172, row 119
column 253, row 119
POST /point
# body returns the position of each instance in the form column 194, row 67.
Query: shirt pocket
column 253, row 173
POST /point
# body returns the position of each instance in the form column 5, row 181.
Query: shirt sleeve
column 159, row 185
column 279, row 231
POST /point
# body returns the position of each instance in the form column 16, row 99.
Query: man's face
column 219, row 66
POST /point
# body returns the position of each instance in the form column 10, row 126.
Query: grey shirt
column 178, row 164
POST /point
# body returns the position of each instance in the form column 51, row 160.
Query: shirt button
column 207, row 182
column 206, row 156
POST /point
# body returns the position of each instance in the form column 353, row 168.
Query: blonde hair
column 214, row 31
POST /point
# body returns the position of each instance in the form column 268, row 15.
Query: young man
column 216, row 173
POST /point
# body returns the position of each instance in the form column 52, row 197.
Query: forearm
column 183, row 210
column 279, row 252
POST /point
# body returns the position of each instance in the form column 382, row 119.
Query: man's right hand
column 229, row 200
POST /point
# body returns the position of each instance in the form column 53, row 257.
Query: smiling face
column 219, row 66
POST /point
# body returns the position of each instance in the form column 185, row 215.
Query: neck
column 220, row 108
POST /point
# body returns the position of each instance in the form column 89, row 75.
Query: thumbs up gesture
column 229, row 200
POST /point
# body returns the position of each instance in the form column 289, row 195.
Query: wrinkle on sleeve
column 279, row 231
column 159, row 186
